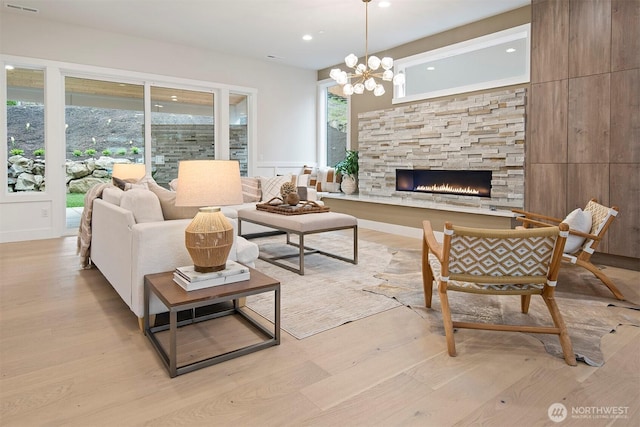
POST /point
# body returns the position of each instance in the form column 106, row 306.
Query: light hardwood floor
column 71, row 354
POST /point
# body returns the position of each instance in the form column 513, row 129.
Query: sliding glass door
column 104, row 124
column 182, row 128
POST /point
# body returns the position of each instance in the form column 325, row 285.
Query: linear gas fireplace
column 456, row 182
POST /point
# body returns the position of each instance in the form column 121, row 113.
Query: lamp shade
column 209, row 183
column 129, row 171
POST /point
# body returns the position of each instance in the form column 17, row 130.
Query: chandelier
column 364, row 74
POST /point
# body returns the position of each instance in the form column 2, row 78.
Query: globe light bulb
column 351, row 60
column 358, row 88
column 379, row 90
column 334, row 73
column 387, row 76
column 370, row 83
column 398, row 79
column 373, row 62
column 347, row 89
column 387, row 63
column 342, row 78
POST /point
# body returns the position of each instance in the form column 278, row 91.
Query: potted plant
column 348, row 168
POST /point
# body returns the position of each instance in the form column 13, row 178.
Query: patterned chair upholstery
column 601, row 218
column 496, row 262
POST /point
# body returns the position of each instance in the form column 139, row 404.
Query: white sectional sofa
column 138, row 230
column 127, row 243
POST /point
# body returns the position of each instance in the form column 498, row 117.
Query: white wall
column 286, row 108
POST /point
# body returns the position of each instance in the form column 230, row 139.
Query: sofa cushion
column 128, row 184
column 112, row 195
column 144, row 205
column 168, row 203
column 251, row 191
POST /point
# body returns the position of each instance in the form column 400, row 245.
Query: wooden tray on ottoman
column 299, row 209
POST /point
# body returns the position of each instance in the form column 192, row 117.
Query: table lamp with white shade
column 128, row 171
column 209, row 183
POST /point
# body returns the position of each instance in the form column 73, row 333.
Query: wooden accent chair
column 602, row 217
column 496, row 262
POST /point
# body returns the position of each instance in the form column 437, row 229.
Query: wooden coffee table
column 176, row 299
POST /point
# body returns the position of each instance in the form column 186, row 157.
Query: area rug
column 331, row 292
column 587, row 308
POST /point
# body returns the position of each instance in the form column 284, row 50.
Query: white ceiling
column 262, row 28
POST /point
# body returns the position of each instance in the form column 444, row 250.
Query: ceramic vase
column 349, row 184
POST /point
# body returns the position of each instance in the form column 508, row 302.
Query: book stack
column 191, row 280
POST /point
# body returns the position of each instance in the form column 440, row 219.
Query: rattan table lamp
column 209, row 184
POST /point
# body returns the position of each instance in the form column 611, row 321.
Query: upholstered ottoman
column 302, row 225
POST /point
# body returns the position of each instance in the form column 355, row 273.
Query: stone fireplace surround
column 472, row 132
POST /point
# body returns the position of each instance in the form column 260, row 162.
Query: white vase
column 349, row 185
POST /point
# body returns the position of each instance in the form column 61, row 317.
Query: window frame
column 460, row 49
column 323, row 88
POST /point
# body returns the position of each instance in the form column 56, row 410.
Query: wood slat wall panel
column 589, row 37
column 624, row 234
column 584, row 182
column 549, row 47
column 625, row 117
column 546, row 189
column 625, row 34
column 589, row 119
column 548, row 122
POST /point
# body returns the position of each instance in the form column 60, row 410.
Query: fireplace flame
column 446, row 188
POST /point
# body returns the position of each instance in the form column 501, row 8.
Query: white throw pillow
column 112, row 195
column 271, row 186
column 144, row 205
column 578, row 220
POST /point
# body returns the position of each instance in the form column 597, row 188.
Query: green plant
column 90, row 152
column 39, row 152
column 11, row 102
column 16, row 152
column 77, row 153
column 106, row 152
column 121, row 152
column 135, row 150
column 349, row 165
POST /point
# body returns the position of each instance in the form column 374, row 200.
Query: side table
column 176, row 299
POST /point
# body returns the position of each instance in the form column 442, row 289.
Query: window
column 334, row 124
column 25, row 129
column 181, row 128
column 494, row 60
column 238, row 131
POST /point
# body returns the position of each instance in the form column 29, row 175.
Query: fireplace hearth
column 454, row 182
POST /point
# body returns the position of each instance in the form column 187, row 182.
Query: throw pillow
column 578, row 220
column 168, row 203
column 144, row 205
column 128, row 184
column 250, row 189
column 112, row 195
column 271, row 186
column 328, row 180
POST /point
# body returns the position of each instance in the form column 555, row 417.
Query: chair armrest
column 536, row 216
column 430, row 238
column 527, row 221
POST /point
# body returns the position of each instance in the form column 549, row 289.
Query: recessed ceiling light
column 384, row 4
column 307, row 37
column 511, row 50
column 431, row 68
